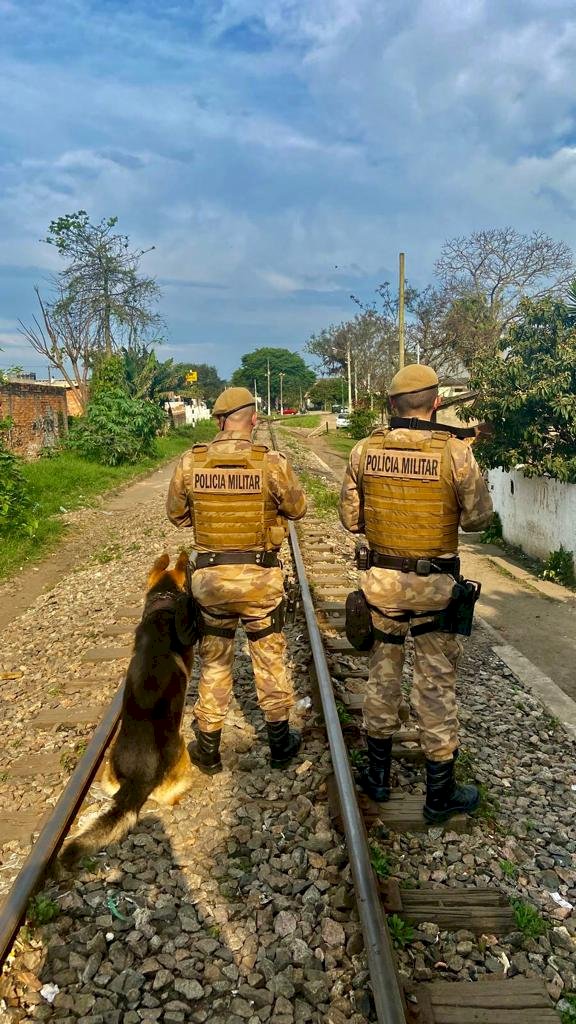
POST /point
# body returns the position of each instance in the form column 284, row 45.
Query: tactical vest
column 232, row 508
column 410, row 502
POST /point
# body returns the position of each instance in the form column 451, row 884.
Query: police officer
column 237, row 496
column 408, row 488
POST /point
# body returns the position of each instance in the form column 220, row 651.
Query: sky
column 278, row 154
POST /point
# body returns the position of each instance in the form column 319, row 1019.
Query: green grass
column 528, row 920
column 325, row 498
column 66, row 481
column 309, row 419
column 341, row 442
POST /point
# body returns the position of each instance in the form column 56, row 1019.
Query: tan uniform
column 229, row 593
column 393, row 592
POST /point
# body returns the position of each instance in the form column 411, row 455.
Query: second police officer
column 408, row 489
column 237, row 495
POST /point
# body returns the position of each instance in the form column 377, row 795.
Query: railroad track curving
column 323, row 570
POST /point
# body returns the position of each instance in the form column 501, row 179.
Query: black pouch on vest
column 359, row 628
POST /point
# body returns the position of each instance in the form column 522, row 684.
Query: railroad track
column 325, row 576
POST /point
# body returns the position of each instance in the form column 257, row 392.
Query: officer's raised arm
column 473, row 494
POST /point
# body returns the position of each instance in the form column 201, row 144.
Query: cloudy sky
column 278, row 153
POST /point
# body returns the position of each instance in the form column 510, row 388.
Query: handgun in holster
column 362, row 556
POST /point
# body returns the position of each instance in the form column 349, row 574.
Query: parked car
column 342, row 419
column 290, row 412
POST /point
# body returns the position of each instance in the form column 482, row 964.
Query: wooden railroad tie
column 491, row 1001
column 482, row 911
column 402, row 813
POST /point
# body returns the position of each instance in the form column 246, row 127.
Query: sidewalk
column 538, row 618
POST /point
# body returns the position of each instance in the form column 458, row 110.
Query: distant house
column 39, row 415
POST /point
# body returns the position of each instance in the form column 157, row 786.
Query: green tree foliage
column 528, row 394
column 297, row 376
column 146, row 376
column 328, row 391
column 207, row 387
column 117, row 427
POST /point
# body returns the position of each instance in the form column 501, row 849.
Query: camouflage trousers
column 248, row 594
column 436, row 657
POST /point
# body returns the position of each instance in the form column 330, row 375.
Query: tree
column 328, row 391
column 209, row 384
column 296, row 380
column 146, row 376
column 101, row 276
column 528, row 393
column 487, row 275
column 63, row 337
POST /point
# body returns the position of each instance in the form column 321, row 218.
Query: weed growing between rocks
column 401, row 933
column 529, row 921
column 41, row 910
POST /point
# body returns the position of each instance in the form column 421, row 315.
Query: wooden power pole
column 401, row 312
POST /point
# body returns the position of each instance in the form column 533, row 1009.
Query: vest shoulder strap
column 200, row 447
column 260, row 448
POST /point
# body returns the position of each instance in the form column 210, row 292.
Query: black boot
column 205, row 753
column 375, row 779
column 284, row 743
column 444, row 797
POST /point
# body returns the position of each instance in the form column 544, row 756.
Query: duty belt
column 421, row 566
column 266, row 559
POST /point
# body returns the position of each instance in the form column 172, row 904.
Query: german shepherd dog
column 149, row 756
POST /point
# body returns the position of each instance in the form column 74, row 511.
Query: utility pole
column 281, row 375
column 256, row 393
column 401, row 313
column 349, row 360
column 268, row 375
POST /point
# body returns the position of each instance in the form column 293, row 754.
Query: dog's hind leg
column 177, row 781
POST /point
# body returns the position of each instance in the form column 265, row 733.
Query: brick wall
column 39, row 415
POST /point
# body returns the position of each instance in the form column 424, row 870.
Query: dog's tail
column 112, row 825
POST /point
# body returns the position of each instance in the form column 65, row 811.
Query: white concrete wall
column 537, row 513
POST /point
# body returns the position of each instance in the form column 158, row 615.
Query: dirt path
column 91, row 530
column 537, row 618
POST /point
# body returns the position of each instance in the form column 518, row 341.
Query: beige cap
column 231, row 400
column 415, row 377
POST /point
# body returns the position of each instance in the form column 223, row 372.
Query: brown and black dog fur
column 149, row 756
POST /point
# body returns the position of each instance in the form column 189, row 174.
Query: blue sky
column 278, row 153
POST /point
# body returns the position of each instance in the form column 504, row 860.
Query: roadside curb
column 542, row 686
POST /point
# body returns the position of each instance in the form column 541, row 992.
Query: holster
column 457, row 618
column 359, row 627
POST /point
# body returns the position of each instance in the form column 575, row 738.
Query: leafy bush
column 528, row 394
column 493, row 533
column 362, row 422
column 17, row 509
column 116, row 428
column 559, row 567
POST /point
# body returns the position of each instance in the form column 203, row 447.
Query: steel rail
column 54, row 832
column 388, row 996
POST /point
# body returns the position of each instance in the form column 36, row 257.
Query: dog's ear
column 178, row 573
column 182, row 562
column 160, row 565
